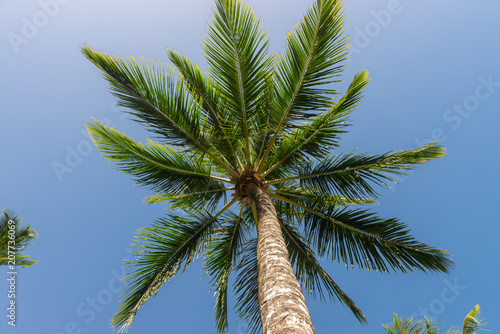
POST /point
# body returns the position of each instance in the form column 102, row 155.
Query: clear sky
column 436, row 73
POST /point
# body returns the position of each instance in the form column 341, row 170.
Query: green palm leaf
column 349, row 175
column 222, row 255
column 158, row 254
column 317, row 137
column 432, row 328
column 472, row 324
column 310, row 196
column 23, row 237
column 159, row 100
column 246, row 288
column 360, row 237
column 262, row 129
column 204, row 88
column 161, row 167
column 237, row 59
column 406, row 326
column 313, row 56
column 309, row 272
column 207, row 198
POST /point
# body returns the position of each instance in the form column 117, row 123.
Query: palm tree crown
column 254, row 118
column 471, row 325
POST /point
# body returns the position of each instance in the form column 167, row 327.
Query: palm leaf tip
column 428, row 152
column 472, row 323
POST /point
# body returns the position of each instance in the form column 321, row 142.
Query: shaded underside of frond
column 222, row 254
column 246, row 288
column 157, row 255
column 314, row 280
column 206, row 90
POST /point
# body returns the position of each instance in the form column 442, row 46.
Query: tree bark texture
column 282, row 305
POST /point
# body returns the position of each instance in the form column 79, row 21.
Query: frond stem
column 241, row 93
column 190, row 194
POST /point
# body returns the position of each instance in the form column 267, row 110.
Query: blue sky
column 435, row 70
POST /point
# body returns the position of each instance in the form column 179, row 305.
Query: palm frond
column 313, row 56
column 161, row 167
column 309, row 196
column 23, row 237
column 158, row 100
column 206, row 89
column 222, row 254
column 352, row 175
column 431, row 327
column 309, row 272
column 362, row 238
column 263, row 127
column 158, row 254
column 237, row 60
column 472, row 324
column 317, row 137
column 405, row 326
column 246, row 288
column 207, row 198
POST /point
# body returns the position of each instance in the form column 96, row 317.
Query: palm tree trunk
column 282, row 305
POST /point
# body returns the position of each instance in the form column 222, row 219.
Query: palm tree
column 472, row 324
column 12, row 244
column 262, row 128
